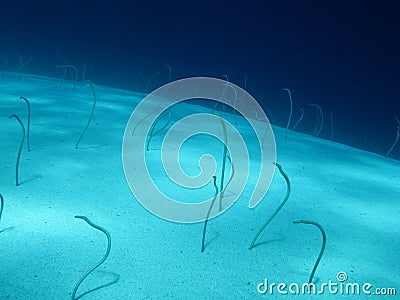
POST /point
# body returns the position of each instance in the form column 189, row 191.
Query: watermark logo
column 341, row 276
column 159, row 104
column 339, row 287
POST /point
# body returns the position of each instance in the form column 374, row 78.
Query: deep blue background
column 342, row 55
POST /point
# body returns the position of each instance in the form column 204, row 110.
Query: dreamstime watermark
column 159, row 103
column 338, row 287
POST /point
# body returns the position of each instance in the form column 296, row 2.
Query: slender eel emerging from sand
column 20, row 148
column 322, row 247
column 91, row 112
column 101, row 261
column 208, row 213
column 1, row 205
column 277, row 210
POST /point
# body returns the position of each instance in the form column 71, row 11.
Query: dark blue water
column 342, row 56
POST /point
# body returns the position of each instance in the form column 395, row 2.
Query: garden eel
column 322, row 247
column 101, row 261
column 279, row 207
column 208, row 213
